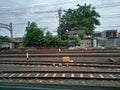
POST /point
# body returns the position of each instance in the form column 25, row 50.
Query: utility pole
column 102, row 2
column 9, row 27
column 59, row 15
column 28, row 23
column 11, row 33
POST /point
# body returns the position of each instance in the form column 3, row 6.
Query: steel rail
column 36, row 52
column 63, row 64
column 60, row 55
column 95, row 72
column 65, row 78
column 45, row 61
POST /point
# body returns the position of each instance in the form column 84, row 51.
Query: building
column 72, row 34
column 109, row 38
column 5, row 45
column 118, row 34
column 96, row 34
column 109, row 34
column 17, row 42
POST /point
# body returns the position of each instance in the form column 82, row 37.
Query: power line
column 111, row 16
column 97, row 6
column 52, row 11
column 37, row 12
column 27, row 23
column 45, row 5
column 108, row 26
column 116, row 4
column 43, row 12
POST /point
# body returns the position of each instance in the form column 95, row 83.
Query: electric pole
column 9, row 27
column 11, row 33
column 59, row 15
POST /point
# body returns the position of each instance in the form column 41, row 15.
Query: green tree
column 82, row 18
column 48, row 33
column 34, row 36
column 51, row 41
column 4, row 39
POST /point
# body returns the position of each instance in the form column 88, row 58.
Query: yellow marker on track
column 65, row 59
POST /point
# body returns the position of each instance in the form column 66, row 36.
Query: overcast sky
column 44, row 13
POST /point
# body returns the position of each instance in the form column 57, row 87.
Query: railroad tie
column 81, row 75
column 4, row 75
column 101, row 76
column 41, row 81
column 37, row 74
column 46, row 75
column 28, row 75
column 12, row 74
column 55, row 74
column 63, row 75
column 72, row 75
column 91, row 75
column 20, row 75
column 111, row 76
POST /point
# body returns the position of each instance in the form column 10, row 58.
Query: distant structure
column 96, row 34
column 72, row 34
column 5, row 45
column 109, row 34
column 86, row 41
column 17, row 42
column 108, row 38
column 118, row 34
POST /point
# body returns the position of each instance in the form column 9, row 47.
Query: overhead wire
column 44, row 5
column 51, row 11
column 107, row 26
column 116, row 4
column 97, row 6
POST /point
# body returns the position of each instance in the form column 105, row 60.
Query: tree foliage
column 51, row 41
column 4, row 39
column 82, row 18
column 34, row 35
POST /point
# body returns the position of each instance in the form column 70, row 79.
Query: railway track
column 36, row 52
column 46, row 61
column 75, row 64
column 56, row 75
column 47, row 51
column 61, row 55
column 34, row 69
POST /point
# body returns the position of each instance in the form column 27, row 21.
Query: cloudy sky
column 45, row 13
